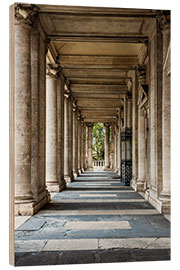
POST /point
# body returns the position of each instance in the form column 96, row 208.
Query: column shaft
column 67, row 141
column 119, row 143
column 79, row 146
column 22, row 115
column 52, row 180
column 166, row 123
column 75, row 143
column 60, row 132
column 90, row 158
column 112, row 146
column 107, row 150
column 141, row 150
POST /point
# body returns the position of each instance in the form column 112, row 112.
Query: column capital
column 107, row 124
column 89, row 124
column 53, row 70
column 163, row 19
column 75, row 105
column 25, row 13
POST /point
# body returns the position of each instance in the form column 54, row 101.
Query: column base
column 68, row 179
column 107, row 168
column 53, row 187
column 79, row 171
column 75, row 174
column 90, row 169
column 138, row 185
column 62, row 185
column 29, row 208
column 164, row 203
column 133, row 183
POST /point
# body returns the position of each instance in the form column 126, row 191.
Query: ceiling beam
column 109, row 103
column 98, row 88
column 99, row 120
column 139, row 38
column 98, row 95
column 98, row 61
column 94, row 72
column 100, row 81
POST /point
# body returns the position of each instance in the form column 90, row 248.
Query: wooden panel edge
column 11, row 136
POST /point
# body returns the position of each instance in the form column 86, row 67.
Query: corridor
column 96, row 219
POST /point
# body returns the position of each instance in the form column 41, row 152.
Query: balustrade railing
column 98, row 163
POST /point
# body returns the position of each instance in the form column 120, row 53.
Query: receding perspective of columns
column 60, row 88
column 107, row 146
column 90, row 131
column 90, row 158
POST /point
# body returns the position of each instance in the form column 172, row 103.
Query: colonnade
column 50, row 132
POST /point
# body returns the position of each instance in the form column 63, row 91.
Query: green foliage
column 98, row 141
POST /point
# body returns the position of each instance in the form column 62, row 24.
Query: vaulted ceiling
column 96, row 49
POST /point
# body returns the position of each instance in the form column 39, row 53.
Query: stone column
column 141, row 184
column 129, row 128
column 75, row 142
column 112, row 145
column 166, row 123
column 84, row 150
column 116, row 147
column 67, row 141
column 52, row 180
column 24, row 201
column 107, row 150
column 141, row 150
column 134, row 131
column 90, row 158
column 82, row 146
column 125, row 111
column 129, row 112
column 119, row 142
column 71, row 137
column 79, row 144
column 60, row 132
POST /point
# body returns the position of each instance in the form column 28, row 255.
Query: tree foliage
column 98, row 141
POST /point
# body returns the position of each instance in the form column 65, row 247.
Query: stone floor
column 95, row 220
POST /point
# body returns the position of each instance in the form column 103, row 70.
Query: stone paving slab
column 91, row 244
column 97, row 225
column 97, row 200
column 32, row 224
column 72, row 244
column 90, row 256
column 29, row 245
column 62, row 213
column 19, row 220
